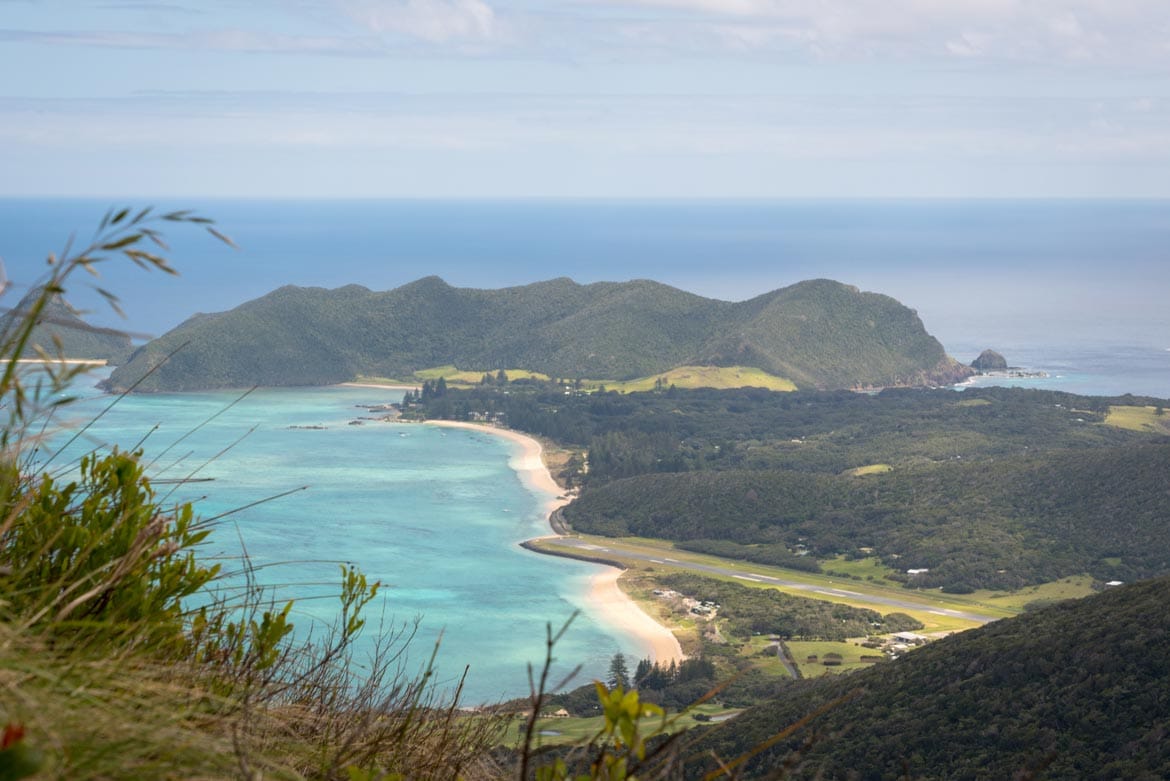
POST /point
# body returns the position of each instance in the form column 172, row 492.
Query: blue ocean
column 1075, row 289
column 303, row 481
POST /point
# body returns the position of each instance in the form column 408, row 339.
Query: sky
column 585, row 98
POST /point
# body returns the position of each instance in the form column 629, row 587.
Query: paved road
column 790, row 665
column 854, row 597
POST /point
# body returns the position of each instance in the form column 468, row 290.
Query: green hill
column 1077, row 690
column 818, row 334
column 1004, row 523
column 824, row 334
column 78, row 339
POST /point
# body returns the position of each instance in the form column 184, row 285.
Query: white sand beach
column 604, row 592
column 624, row 613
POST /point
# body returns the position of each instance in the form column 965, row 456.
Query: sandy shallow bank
column 604, row 593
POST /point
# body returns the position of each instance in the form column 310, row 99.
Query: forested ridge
column 1077, row 690
column 817, row 334
column 988, row 488
column 62, row 331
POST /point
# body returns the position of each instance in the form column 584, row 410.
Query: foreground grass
column 118, row 717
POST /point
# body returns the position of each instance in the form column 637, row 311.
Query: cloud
column 436, row 21
column 1117, row 31
column 152, row 8
column 224, row 39
column 833, row 129
column 375, row 28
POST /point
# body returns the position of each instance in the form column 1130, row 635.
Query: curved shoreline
column 605, row 595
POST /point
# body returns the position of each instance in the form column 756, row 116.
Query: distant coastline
column 618, row 609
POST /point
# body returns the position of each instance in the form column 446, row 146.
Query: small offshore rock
column 990, row 361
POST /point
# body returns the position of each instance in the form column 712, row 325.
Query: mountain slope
column 78, row 339
column 822, row 333
column 1078, row 690
column 819, row 333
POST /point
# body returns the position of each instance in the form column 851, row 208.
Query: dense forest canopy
column 1077, row 690
column 988, row 488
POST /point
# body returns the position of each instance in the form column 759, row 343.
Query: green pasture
column 1072, row 587
column 869, row 567
column 718, row 377
column 850, row 657
column 571, row 731
column 871, row 469
column 452, row 374
column 1138, row 419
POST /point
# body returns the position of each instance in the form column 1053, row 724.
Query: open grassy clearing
column 871, row 469
column 1139, row 419
column 850, row 657
column 867, row 568
column 569, row 731
column 389, row 382
column 1073, row 587
column 718, row 377
column 761, row 650
column 452, row 374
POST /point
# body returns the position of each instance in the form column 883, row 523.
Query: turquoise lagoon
column 435, row 514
